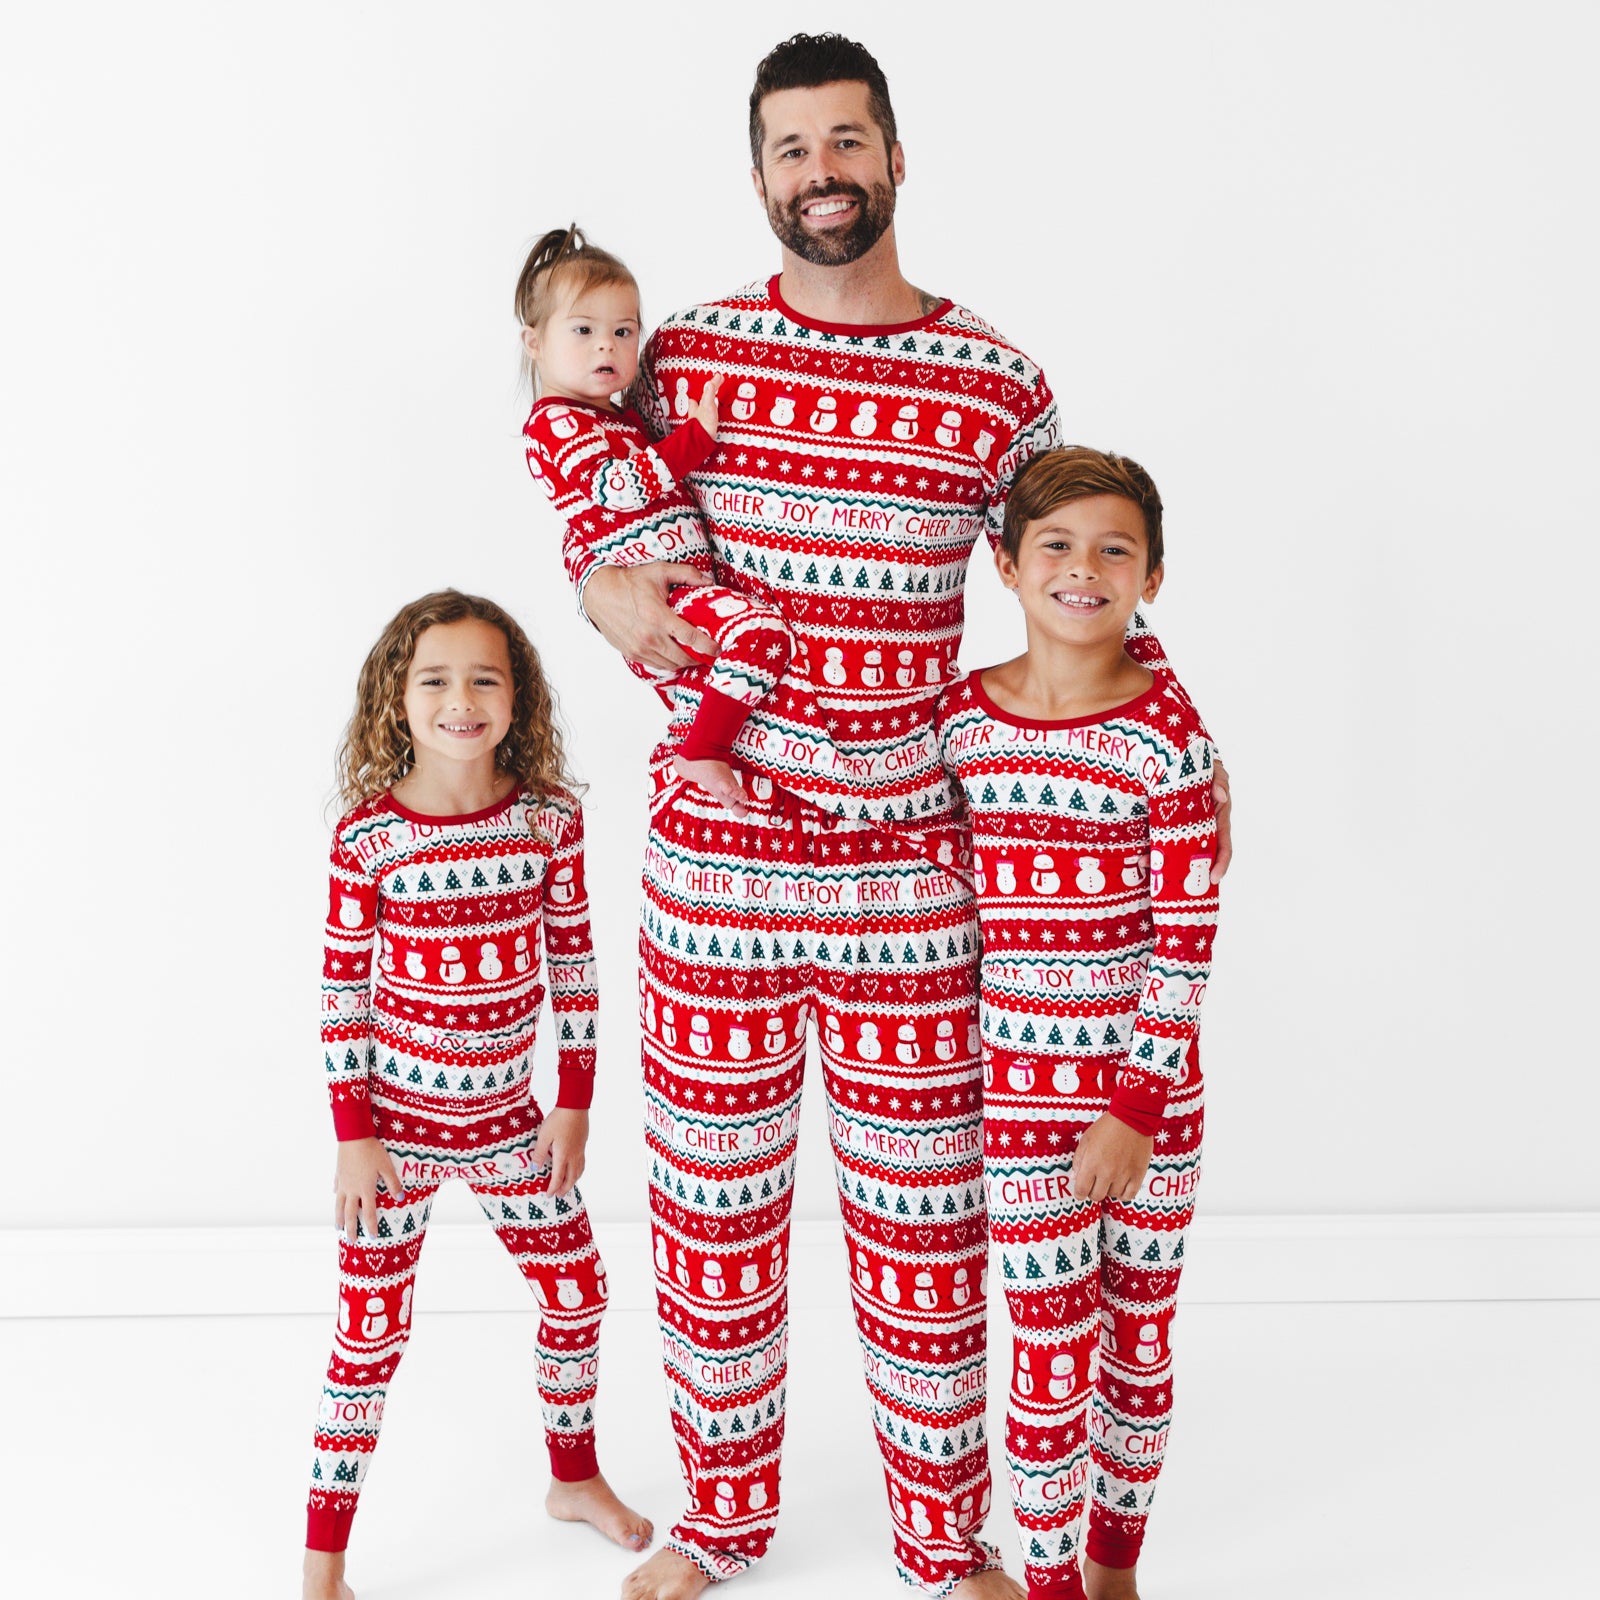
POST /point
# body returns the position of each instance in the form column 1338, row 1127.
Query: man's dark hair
column 809, row 60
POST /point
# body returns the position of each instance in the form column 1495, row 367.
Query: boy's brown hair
column 1055, row 478
column 809, row 60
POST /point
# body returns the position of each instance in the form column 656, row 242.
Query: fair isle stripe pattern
column 549, row 1238
column 430, row 1044
column 854, row 470
column 752, row 930
column 1093, row 842
column 617, row 494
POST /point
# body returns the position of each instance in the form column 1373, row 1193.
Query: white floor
column 1319, row 1450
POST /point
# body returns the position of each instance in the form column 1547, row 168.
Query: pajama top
column 431, row 982
column 1093, row 840
column 853, row 470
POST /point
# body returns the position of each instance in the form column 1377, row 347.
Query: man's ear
column 897, row 163
column 759, row 184
column 1152, row 584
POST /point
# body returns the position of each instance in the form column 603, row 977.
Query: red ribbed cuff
column 571, row 1460
column 1139, row 1114
column 352, row 1118
column 1112, row 1549
column 716, row 725
column 574, row 1088
column 328, row 1527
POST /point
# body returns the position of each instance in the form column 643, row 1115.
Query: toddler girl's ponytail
column 547, row 254
column 562, row 262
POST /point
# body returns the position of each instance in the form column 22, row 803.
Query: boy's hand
column 1222, row 800
column 1110, row 1160
column 363, row 1164
column 629, row 607
column 705, row 412
column 718, row 781
column 562, row 1137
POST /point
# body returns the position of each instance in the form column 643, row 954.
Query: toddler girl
column 622, row 495
column 463, row 848
column 1088, row 779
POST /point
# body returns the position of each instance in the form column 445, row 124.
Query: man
column 869, row 430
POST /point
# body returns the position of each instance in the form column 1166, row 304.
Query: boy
column 1089, row 782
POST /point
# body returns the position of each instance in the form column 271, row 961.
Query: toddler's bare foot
column 1109, row 1583
column 324, row 1577
column 991, row 1585
column 718, row 781
column 593, row 1500
column 665, row 1576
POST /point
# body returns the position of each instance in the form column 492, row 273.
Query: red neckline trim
column 1011, row 719
column 852, row 329
column 585, row 405
column 469, row 816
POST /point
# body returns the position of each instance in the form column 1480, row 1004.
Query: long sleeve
column 347, row 990
column 1038, row 428
column 598, row 489
column 569, row 961
column 1183, row 910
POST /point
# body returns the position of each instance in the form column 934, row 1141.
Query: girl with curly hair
column 460, row 854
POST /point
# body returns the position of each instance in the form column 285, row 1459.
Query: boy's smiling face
column 1080, row 571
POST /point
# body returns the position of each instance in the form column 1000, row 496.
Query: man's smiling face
column 827, row 178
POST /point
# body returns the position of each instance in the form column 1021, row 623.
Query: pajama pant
column 754, row 643
column 1091, row 1288
column 549, row 1239
column 752, row 930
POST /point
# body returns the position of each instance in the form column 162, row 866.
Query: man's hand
column 363, row 1163
column 1110, row 1161
column 705, row 413
column 1223, row 801
column 562, row 1137
column 629, row 607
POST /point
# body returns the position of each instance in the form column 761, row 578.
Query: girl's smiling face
column 588, row 349
column 458, row 692
column 1080, row 569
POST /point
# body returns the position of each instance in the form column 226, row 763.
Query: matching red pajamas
column 430, row 998
column 1093, row 841
column 623, row 504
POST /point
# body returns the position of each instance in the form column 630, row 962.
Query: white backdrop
column 1328, row 272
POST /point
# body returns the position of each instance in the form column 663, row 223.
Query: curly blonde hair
column 376, row 750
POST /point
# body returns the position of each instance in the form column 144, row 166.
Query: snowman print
column 489, row 967
column 1062, row 1376
column 923, row 1293
column 775, row 1265
column 744, row 403
column 1045, row 879
column 947, row 854
column 782, row 413
column 872, row 669
column 983, row 444
column 669, row 1027
column 906, row 424
column 921, row 1523
column 774, row 1039
column 867, row 1046
column 865, row 422
column 649, row 1011
column 833, row 1034
column 1108, row 1331
column 681, row 404
column 727, row 1506
column 1064, row 1080
column 562, row 889
column 681, row 1270
column 1090, row 880
column 826, row 417
column 948, row 433
column 1020, row 1076
column 905, row 674
column 414, row 966
column 452, row 969
column 711, row 1280
column 944, row 1040
column 961, row 1290
column 889, row 1286
column 1157, row 862
column 1148, row 1349
column 700, row 1034
column 931, row 673
column 1197, row 880
column 863, row 1270
column 749, row 1278
column 350, row 913
column 958, row 1518
column 980, row 879
column 520, row 959
column 1133, row 871
column 376, row 1322
column 757, row 1498
column 568, row 1295
column 1005, row 878
column 562, row 422
column 1024, row 1376
column 405, row 1304
column 663, row 1260
column 386, row 956
column 907, row 1051
column 739, row 1042
column 833, row 668
column 761, row 786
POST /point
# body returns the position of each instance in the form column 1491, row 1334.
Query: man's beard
column 838, row 246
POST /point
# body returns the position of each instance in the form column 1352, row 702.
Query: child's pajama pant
column 752, row 930
column 1092, row 1290
column 550, row 1240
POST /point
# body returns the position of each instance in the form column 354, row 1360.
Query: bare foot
column 665, row 1576
column 324, row 1576
column 991, row 1585
column 593, row 1500
column 718, row 781
column 1109, row 1583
